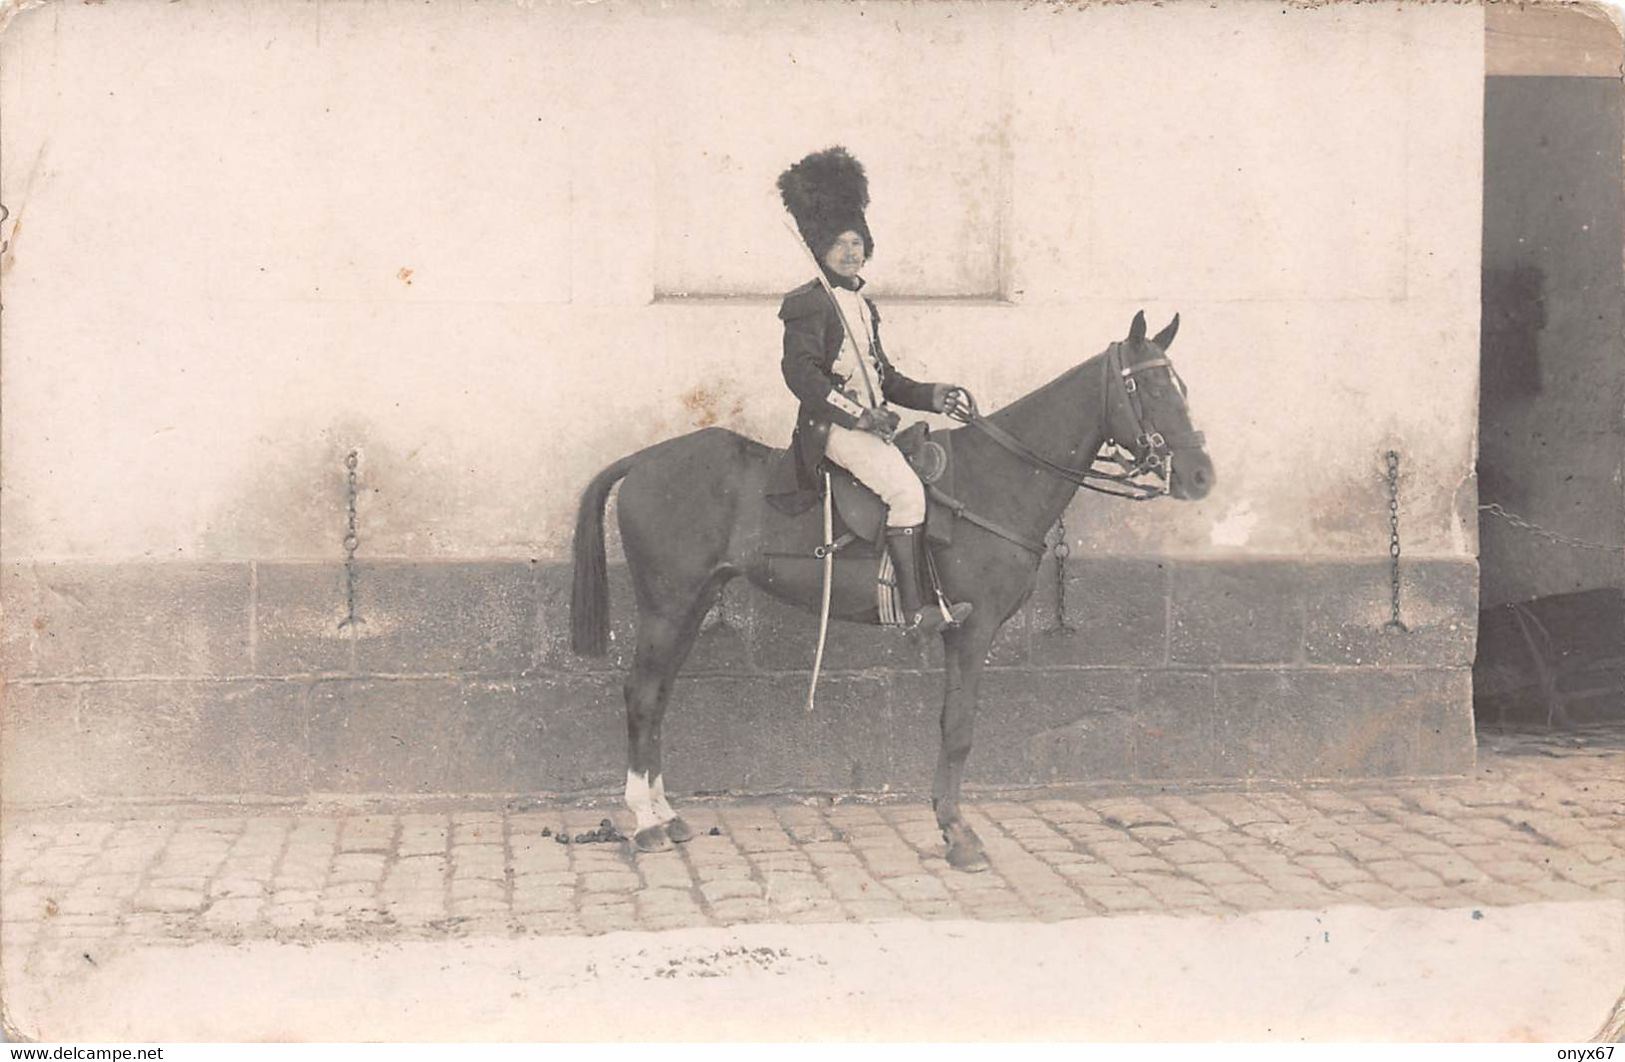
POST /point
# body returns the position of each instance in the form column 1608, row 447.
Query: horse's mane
column 1021, row 407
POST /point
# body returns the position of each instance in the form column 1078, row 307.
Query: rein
column 1088, row 478
column 1127, row 483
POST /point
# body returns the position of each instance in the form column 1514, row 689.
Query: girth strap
column 983, row 522
column 846, row 539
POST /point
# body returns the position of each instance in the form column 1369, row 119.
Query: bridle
column 1156, row 447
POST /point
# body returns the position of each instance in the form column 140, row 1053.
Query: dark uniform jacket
column 812, row 341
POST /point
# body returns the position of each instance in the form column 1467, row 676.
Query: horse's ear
column 1136, row 331
column 1166, row 336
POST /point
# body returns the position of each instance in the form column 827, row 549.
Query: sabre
column 829, row 576
column 829, row 501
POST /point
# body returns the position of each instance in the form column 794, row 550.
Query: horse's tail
column 589, row 594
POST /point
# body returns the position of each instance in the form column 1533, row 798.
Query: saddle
column 860, row 511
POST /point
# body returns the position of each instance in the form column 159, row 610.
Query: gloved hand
column 882, row 422
column 950, row 398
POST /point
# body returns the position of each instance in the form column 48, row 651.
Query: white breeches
column 881, row 467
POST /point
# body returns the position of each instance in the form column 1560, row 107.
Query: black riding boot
column 926, row 618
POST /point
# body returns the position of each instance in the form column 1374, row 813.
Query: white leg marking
column 640, row 799
column 662, row 810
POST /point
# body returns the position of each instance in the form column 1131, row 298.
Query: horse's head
column 1146, row 412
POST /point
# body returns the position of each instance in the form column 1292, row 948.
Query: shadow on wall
column 1514, row 309
column 1557, row 660
column 1514, row 312
column 1551, row 435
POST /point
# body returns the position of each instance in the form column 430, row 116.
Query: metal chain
column 352, row 540
column 1395, row 624
column 1535, row 529
column 1061, row 551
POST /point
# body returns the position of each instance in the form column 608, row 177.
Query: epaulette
column 804, row 301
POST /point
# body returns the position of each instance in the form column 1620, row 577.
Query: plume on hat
column 827, row 193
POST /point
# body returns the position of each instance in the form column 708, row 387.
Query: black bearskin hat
column 827, row 193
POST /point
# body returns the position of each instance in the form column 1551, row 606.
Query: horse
column 693, row 515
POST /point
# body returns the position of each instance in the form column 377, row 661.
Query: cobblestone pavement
column 1543, row 818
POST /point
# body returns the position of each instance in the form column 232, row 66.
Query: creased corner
column 10, row 9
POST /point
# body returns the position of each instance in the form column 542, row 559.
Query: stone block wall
column 184, row 680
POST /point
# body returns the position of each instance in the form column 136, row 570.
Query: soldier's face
column 845, row 255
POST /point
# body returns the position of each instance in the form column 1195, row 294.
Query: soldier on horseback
column 693, row 513
column 835, row 365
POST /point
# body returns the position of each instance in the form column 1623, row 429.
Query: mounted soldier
column 694, row 514
column 834, row 363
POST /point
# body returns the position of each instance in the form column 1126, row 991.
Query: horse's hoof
column 652, row 839
column 679, row 831
column 967, row 857
column 964, row 849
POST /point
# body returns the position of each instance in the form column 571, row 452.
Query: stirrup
column 934, row 620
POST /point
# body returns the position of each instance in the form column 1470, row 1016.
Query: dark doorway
column 1552, row 404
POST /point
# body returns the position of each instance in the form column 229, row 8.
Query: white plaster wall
column 212, row 206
